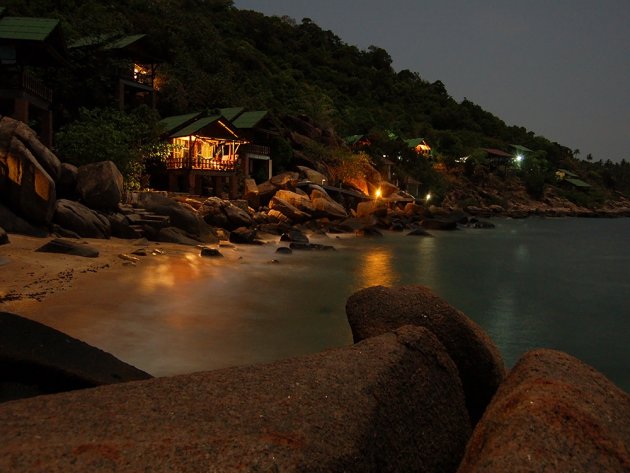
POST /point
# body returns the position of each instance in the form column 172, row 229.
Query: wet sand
column 173, row 311
column 28, row 277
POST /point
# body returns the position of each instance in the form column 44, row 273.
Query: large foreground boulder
column 378, row 309
column 552, row 413
column 393, row 403
column 100, row 185
column 37, row 359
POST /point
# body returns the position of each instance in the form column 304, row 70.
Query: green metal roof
column 124, row 41
column 521, row 148
column 231, row 113
column 249, row 119
column 29, row 29
column 350, row 140
column 413, row 142
column 577, row 182
column 195, row 126
column 172, row 123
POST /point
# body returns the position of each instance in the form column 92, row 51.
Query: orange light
column 378, row 193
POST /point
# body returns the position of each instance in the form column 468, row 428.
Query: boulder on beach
column 378, row 309
column 176, row 235
column 392, row 403
column 25, row 183
column 59, row 245
column 4, row 238
column 37, row 359
column 81, row 220
column 181, row 215
column 289, row 211
column 552, row 413
column 297, row 200
column 13, row 223
column 100, row 185
column 67, row 182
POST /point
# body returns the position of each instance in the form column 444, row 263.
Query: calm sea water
column 555, row 283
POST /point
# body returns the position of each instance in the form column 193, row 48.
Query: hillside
column 215, row 55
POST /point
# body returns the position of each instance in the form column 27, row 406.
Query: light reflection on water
column 561, row 284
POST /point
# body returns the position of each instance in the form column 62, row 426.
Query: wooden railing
column 204, row 164
column 22, row 80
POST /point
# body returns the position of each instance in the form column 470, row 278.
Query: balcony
column 24, row 83
column 203, row 164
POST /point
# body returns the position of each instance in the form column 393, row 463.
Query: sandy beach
column 28, row 277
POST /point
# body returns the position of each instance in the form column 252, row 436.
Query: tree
column 129, row 140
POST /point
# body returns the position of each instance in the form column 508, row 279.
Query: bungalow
column 420, row 146
column 357, row 142
column 496, row 157
column 204, row 154
column 564, row 175
column 29, row 42
column 135, row 68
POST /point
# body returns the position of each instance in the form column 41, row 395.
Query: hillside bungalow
column 29, row 42
column 357, row 142
column 134, row 80
column 572, row 179
column 420, row 146
column 496, row 157
column 204, row 154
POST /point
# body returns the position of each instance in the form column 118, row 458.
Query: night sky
column 560, row 68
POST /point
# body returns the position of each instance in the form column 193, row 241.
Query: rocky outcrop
column 224, row 214
column 81, row 220
column 392, row 403
column 4, row 238
column 378, row 309
column 325, row 206
column 15, row 224
column 67, row 182
column 299, row 201
column 312, row 175
column 291, row 212
column 25, row 182
column 182, row 216
column 37, row 359
column 552, row 413
column 176, row 235
column 100, row 185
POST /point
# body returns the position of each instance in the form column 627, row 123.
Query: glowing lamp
column 378, row 193
column 428, row 197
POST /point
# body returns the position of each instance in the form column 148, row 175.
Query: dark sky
column 560, row 68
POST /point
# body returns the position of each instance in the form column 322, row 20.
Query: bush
column 130, row 140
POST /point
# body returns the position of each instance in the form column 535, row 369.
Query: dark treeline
column 218, row 56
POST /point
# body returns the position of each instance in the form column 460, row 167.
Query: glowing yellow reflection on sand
column 377, row 268
column 170, row 273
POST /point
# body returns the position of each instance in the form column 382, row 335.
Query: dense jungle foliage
column 215, row 55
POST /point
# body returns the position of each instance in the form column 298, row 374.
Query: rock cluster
column 380, row 309
column 397, row 400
